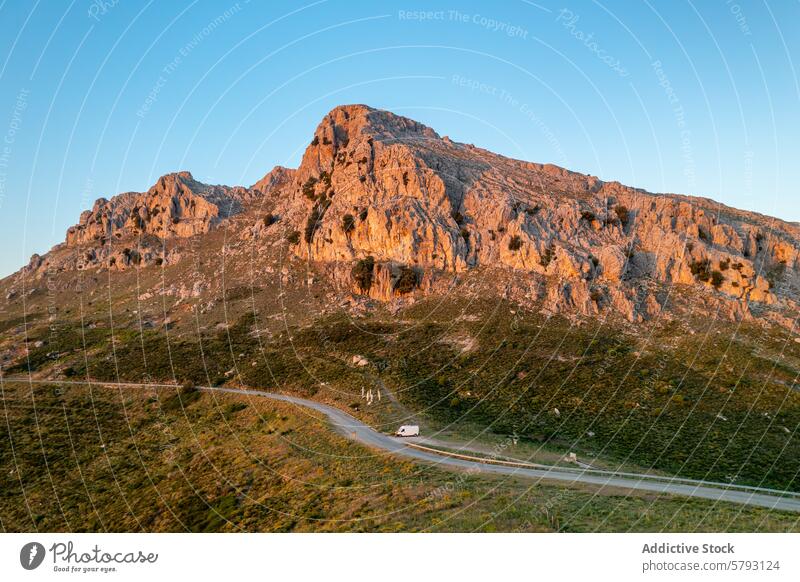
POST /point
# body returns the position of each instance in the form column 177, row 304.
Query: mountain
column 392, row 211
column 400, row 275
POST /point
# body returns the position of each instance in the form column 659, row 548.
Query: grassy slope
column 715, row 405
column 132, row 460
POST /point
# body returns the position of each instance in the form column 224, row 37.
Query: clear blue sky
column 102, row 96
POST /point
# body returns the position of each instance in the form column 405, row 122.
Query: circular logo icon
column 31, row 555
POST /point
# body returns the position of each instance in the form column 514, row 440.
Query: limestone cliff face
column 176, row 206
column 379, row 190
column 275, row 179
column 129, row 229
column 372, row 183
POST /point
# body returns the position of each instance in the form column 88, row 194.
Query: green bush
column 546, row 257
column 308, row 188
column 623, row 214
column 348, row 223
column 325, row 178
column 701, row 269
column 363, row 273
column 315, row 218
column 407, row 281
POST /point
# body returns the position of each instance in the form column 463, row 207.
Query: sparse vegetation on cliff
column 314, row 220
column 623, row 214
column 701, row 269
column 407, row 281
column 363, row 272
column 348, row 223
column 308, row 188
column 293, row 237
column 547, row 256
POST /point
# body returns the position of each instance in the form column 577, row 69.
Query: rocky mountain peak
column 354, row 128
column 392, row 209
column 380, row 186
column 177, row 205
column 273, row 180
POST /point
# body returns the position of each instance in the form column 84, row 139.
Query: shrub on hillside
column 546, row 257
column 308, row 188
column 623, row 214
column 348, row 223
column 315, row 218
column 701, row 269
column 407, row 281
column 363, row 272
column 533, row 210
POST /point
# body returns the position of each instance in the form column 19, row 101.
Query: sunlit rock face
column 372, row 183
column 374, row 186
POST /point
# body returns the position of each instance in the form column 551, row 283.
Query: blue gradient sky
column 99, row 97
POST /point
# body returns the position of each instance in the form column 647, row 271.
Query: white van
column 407, row 430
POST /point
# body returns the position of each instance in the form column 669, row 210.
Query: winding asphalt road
column 357, row 430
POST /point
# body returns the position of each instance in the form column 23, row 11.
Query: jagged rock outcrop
column 129, row 229
column 372, row 183
column 274, row 180
column 176, row 206
column 380, row 188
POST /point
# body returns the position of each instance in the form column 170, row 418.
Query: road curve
column 358, row 431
